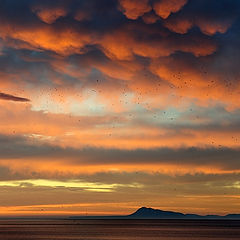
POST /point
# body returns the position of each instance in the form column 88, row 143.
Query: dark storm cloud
column 210, row 17
column 196, row 39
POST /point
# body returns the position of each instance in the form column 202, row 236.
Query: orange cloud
column 164, row 8
column 64, row 41
column 123, row 45
column 209, row 27
column 196, row 82
column 179, row 26
column 212, row 27
column 81, row 15
column 122, row 131
column 49, row 15
column 150, row 18
column 134, row 8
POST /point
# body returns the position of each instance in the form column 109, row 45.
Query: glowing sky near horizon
column 107, row 106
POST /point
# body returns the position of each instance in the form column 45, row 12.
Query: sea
column 119, row 229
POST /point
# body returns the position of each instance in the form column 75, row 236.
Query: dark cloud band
column 8, row 97
column 221, row 158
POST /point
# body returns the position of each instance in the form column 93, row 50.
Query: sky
column 107, row 106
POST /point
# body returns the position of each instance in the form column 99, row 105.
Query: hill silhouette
column 151, row 213
column 155, row 213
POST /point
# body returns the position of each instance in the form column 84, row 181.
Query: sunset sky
column 110, row 105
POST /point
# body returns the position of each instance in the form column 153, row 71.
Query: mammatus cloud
column 164, row 8
column 134, row 9
column 123, row 51
column 49, row 15
column 9, row 97
column 181, row 24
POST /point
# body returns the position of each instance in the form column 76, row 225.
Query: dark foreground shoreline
column 106, row 229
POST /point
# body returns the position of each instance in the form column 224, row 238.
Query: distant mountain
column 150, row 213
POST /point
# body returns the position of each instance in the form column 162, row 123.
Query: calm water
column 119, row 229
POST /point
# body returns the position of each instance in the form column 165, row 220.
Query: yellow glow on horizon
column 87, row 186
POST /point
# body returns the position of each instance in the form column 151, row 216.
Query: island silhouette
column 151, row 213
